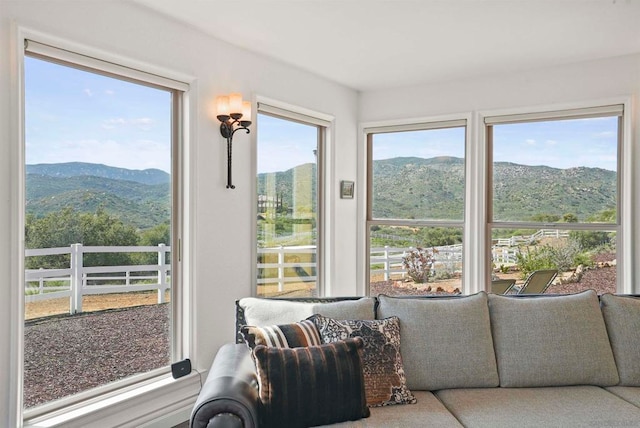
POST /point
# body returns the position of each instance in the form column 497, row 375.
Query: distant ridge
column 78, row 169
column 139, row 198
column 433, row 188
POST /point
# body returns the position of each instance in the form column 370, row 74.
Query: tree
column 66, row 227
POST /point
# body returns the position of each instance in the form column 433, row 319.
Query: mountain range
column 138, row 197
column 404, row 187
column 433, row 188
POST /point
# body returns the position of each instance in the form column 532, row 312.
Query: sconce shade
column 235, row 103
column 246, row 110
column 222, row 105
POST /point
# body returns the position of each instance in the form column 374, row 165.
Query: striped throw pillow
column 300, row 334
column 318, row 385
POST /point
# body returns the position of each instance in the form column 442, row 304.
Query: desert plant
column 418, row 263
column 562, row 255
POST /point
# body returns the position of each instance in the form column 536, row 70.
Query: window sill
column 135, row 407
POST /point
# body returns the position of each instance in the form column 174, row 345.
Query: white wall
column 572, row 84
column 223, row 218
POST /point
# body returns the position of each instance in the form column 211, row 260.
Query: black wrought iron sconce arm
column 229, row 125
column 231, row 110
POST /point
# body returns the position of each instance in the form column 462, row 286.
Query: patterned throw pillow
column 303, row 333
column 384, row 377
column 318, row 385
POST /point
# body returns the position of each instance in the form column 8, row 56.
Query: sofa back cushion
column 622, row 318
column 446, row 342
column 551, row 341
column 262, row 312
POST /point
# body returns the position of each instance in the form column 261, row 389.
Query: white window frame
column 364, row 208
column 325, row 243
column 625, row 164
column 142, row 391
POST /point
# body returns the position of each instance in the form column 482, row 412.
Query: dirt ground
column 92, row 303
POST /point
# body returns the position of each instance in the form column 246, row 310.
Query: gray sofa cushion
column 551, row 341
column 427, row 412
column 262, row 312
column 446, row 342
column 627, row 393
column 622, row 317
column 569, row 406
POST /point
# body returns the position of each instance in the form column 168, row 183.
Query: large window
column 554, row 197
column 289, row 189
column 101, row 216
column 415, row 214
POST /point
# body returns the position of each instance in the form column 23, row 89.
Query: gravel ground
column 65, row 355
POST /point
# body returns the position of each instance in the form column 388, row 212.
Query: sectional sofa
column 473, row 361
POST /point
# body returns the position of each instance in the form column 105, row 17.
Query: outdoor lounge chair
column 502, row 286
column 538, row 281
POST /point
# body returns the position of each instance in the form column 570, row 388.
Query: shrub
column 563, row 255
column 418, row 263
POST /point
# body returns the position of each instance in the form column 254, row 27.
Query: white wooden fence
column 78, row 280
column 300, row 274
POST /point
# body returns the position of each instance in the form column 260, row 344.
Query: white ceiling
column 378, row 44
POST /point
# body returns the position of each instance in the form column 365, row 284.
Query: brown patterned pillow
column 384, row 377
column 318, row 385
column 303, row 333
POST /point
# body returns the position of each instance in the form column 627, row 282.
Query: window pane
column 556, row 171
column 287, row 207
column 418, row 174
column 584, row 260
column 98, row 164
column 415, row 260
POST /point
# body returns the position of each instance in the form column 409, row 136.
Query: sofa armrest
column 229, row 397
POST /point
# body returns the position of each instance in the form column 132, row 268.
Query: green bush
column 563, row 256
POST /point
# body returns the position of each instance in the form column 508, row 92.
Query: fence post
column 387, row 266
column 162, row 273
column 41, row 283
column 281, row 269
column 76, row 278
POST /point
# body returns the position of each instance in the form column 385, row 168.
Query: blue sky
column 559, row 144
column 283, row 144
column 73, row 115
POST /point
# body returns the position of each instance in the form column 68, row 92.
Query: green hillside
column 404, row 188
column 140, row 205
column 417, row 188
column 75, row 169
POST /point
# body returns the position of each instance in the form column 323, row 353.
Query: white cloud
column 551, row 142
column 530, row 141
column 605, row 134
column 88, row 92
column 144, row 123
column 109, row 92
column 113, row 123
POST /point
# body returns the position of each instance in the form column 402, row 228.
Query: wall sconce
column 231, row 109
